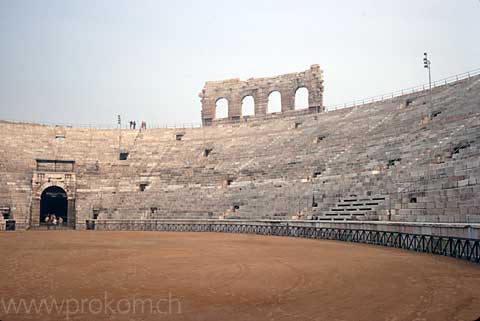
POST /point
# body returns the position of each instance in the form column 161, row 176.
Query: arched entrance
column 54, row 201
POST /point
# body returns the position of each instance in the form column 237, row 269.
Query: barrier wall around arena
column 455, row 240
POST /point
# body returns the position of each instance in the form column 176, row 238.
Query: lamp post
column 427, row 64
column 119, row 122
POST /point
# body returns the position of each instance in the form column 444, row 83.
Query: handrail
column 405, row 91
column 106, row 126
column 328, row 108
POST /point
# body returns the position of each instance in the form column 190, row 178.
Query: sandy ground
column 82, row 275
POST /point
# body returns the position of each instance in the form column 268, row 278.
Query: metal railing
column 461, row 248
column 405, row 91
column 107, row 126
column 355, row 103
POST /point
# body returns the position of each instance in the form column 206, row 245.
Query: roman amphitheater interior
column 413, row 158
column 399, row 173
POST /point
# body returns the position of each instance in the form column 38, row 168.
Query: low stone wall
column 456, row 240
column 470, row 231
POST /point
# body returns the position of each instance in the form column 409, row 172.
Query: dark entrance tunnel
column 53, row 201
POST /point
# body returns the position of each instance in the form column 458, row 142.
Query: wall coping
column 360, row 223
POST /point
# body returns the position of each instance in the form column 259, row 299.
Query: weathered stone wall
column 234, row 90
column 43, row 179
column 381, row 161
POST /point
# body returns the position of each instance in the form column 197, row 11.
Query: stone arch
column 36, row 203
column 54, row 201
column 221, row 108
column 274, row 104
column 302, row 98
column 235, row 89
column 39, row 191
column 248, row 105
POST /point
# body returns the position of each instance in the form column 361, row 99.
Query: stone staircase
column 353, row 208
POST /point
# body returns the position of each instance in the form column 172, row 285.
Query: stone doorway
column 54, row 202
column 53, row 192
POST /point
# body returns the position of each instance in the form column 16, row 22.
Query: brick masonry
column 235, row 90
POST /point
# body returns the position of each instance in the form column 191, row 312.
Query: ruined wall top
column 234, row 90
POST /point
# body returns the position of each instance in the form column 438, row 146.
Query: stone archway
column 53, row 201
column 39, row 205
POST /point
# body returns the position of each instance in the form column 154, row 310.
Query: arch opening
column 301, row 98
column 221, row 108
column 54, row 202
column 274, row 102
column 248, row 106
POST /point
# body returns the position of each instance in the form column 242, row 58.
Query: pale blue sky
column 85, row 61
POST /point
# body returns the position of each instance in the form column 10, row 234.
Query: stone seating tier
column 382, row 161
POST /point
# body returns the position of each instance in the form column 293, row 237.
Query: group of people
column 133, row 124
column 52, row 221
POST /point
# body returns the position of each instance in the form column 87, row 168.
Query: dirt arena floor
column 95, row 276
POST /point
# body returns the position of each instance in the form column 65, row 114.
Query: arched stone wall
column 259, row 88
column 43, row 180
column 248, row 106
column 37, row 192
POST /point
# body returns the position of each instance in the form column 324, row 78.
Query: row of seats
column 405, row 159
